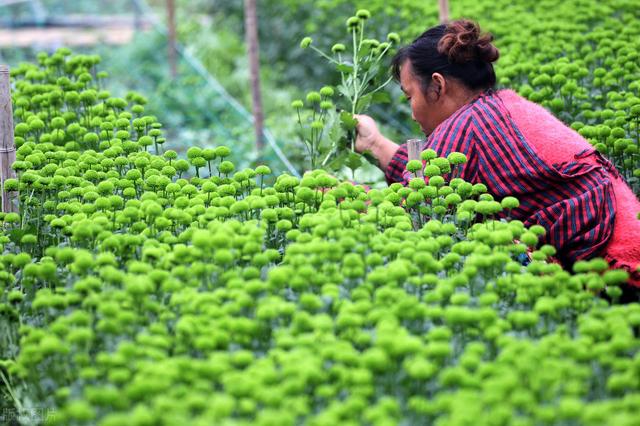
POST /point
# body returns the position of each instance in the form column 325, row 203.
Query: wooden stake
column 413, row 152
column 444, row 11
column 251, row 32
column 7, row 141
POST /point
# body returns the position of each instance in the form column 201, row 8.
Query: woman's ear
column 439, row 83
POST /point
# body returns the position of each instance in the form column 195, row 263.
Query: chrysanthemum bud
column 436, row 181
column 11, row 185
column 297, row 104
column 393, row 38
column 442, row 163
column 353, row 22
column 223, row 151
column 417, row 183
column 529, row 238
column 36, row 124
column 326, row 105
column 363, row 14
column 414, row 198
column 338, row 47
column 21, row 129
column 371, row 42
column 313, row 97
column 317, row 125
column 263, row 170
column 226, row 167
column 457, row 158
column 510, row 203
column 431, row 170
column 414, row 165
column 538, row 230
column 428, row 154
column 326, row 91
column 306, row 42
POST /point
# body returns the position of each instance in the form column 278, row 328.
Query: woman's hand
column 368, row 135
column 370, row 139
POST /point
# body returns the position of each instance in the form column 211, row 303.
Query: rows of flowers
column 140, row 288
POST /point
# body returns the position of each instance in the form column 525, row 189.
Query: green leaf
column 345, row 91
column 338, row 161
column 381, row 97
column 336, row 132
column 345, row 68
column 363, row 103
column 348, row 121
column 354, row 160
column 332, row 135
column 364, row 51
column 372, row 70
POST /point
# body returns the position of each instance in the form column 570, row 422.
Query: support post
column 443, row 5
column 137, row 15
column 7, row 141
column 251, row 33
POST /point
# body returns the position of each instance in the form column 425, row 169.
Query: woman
column 512, row 145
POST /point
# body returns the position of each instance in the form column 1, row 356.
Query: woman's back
column 556, row 143
column 572, row 200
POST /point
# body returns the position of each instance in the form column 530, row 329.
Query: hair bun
column 462, row 42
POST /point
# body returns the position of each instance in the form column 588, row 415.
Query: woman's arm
column 453, row 135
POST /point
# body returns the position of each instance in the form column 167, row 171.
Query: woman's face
column 428, row 109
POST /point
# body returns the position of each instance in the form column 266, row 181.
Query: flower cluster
column 362, row 80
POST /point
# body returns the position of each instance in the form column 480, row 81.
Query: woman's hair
column 456, row 50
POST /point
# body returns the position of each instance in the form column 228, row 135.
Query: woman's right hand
column 370, row 139
column 368, row 135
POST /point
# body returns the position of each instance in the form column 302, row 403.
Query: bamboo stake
column 413, row 152
column 444, row 11
column 7, row 141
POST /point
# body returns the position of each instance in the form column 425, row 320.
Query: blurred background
column 190, row 59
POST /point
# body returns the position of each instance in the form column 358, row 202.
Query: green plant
column 362, row 78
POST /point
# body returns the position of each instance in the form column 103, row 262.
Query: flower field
column 140, row 288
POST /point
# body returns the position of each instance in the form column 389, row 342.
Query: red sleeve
column 397, row 165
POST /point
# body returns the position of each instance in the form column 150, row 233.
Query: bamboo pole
column 7, row 141
column 251, row 32
column 443, row 5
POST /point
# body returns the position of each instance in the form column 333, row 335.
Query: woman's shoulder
column 488, row 107
column 513, row 101
column 554, row 141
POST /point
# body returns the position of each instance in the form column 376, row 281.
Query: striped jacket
column 573, row 200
